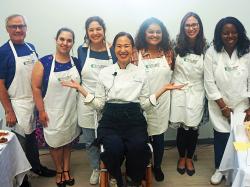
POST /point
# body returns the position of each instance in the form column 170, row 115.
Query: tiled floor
column 81, row 169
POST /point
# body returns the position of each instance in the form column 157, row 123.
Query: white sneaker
column 112, row 183
column 94, row 179
column 216, row 177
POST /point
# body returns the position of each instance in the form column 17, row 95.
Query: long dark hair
column 183, row 45
column 140, row 41
column 88, row 22
column 243, row 42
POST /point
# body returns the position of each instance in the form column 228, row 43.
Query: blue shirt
column 103, row 55
column 7, row 60
column 47, row 62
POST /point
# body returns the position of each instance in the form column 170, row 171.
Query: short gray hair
column 13, row 16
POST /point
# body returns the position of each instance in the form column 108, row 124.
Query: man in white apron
column 16, row 63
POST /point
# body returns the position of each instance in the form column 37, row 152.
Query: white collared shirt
column 117, row 85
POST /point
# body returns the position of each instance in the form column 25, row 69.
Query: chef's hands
column 10, row 118
column 173, row 86
column 166, row 87
column 43, row 118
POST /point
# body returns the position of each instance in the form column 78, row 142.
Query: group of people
column 124, row 95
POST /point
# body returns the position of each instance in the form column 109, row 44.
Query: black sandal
column 61, row 183
column 71, row 181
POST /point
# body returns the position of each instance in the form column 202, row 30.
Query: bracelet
column 224, row 108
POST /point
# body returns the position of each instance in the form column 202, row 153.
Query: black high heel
column 61, row 183
column 71, row 181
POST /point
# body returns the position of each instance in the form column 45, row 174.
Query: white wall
column 45, row 17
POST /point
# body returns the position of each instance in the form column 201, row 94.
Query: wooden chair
column 104, row 175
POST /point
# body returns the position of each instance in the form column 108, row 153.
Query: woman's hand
column 166, row 87
column 75, row 85
column 247, row 111
column 43, row 118
column 226, row 112
column 173, row 86
column 71, row 84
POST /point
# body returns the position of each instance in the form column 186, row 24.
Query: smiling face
column 153, row 34
column 64, row 42
column 95, row 32
column 192, row 28
column 229, row 36
column 123, row 49
column 16, row 27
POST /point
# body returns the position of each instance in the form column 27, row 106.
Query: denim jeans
column 92, row 151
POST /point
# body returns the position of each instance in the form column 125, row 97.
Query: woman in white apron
column 56, row 104
column 94, row 55
column 122, row 93
column 187, row 105
column 227, row 75
column 155, row 57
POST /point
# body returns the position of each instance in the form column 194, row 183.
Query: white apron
column 87, row 116
column 231, row 79
column 20, row 92
column 187, row 104
column 61, row 106
column 158, row 74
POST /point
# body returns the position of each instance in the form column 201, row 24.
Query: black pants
column 186, row 142
column 123, row 133
column 157, row 142
column 220, row 142
column 30, row 147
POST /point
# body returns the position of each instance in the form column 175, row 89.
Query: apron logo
column 29, row 62
column 152, row 66
column 66, row 78
column 193, row 61
column 229, row 69
column 97, row 66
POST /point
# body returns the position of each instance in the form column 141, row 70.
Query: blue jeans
column 220, row 142
column 92, row 151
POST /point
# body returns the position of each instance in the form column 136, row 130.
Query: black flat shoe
column 180, row 170
column 71, row 181
column 45, row 172
column 190, row 172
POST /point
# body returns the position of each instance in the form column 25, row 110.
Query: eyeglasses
column 192, row 26
column 15, row 27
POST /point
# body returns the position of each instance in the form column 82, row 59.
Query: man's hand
column 10, row 118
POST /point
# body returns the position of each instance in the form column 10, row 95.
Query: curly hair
column 243, row 42
column 140, row 40
column 182, row 42
column 88, row 22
